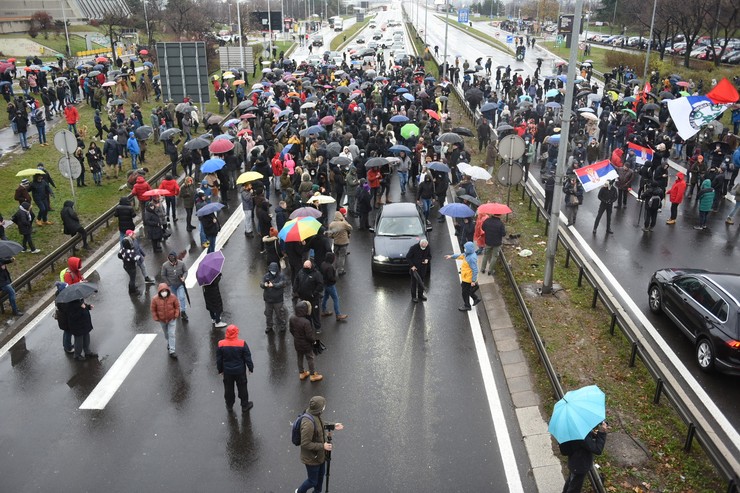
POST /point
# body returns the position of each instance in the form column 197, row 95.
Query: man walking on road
column 273, row 283
column 315, row 444
column 233, row 358
column 174, row 273
column 309, row 286
column 607, row 196
column 165, row 309
column 418, row 257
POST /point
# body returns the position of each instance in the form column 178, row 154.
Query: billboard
column 258, row 21
column 565, row 24
column 463, row 16
column 183, row 71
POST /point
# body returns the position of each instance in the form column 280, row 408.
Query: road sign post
column 511, row 148
column 66, row 143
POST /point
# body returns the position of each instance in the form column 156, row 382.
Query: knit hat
column 129, row 232
column 25, row 182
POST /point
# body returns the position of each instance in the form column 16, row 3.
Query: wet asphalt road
column 402, row 377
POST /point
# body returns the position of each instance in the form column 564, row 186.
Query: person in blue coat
column 133, row 149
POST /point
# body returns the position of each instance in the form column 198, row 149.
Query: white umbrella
column 322, row 199
column 308, row 105
column 589, row 116
column 475, row 172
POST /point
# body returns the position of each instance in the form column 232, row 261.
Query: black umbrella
column 504, row 128
column 462, row 131
column 343, row 90
column 450, row 138
column 723, row 146
column 9, row 248
column 376, row 162
column 341, row 160
column 419, row 281
column 583, row 94
column 143, row 132
column 197, row 143
column 651, row 107
column 651, row 119
column 169, row 133
column 77, row 291
column 470, row 71
column 244, row 104
column 469, row 198
column 666, row 95
column 474, row 96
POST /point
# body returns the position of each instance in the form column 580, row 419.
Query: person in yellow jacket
column 468, row 275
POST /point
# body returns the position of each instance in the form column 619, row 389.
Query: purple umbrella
column 210, row 268
column 306, row 212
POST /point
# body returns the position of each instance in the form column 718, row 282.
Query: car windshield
column 399, row 226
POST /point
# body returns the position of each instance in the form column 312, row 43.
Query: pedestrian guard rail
column 704, row 421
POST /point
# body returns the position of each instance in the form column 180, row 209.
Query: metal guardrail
column 701, row 423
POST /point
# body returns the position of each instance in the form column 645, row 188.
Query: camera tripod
column 328, row 461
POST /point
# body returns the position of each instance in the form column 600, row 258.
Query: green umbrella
column 630, row 112
column 409, row 130
column 684, row 93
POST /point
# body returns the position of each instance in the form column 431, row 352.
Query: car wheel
column 655, row 299
column 705, row 354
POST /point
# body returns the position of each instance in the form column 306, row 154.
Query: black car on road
column 398, row 226
column 705, row 306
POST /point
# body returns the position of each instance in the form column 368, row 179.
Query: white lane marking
column 223, row 236
column 49, row 309
column 107, row 387
column 506, row 451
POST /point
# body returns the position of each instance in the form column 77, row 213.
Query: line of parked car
column 701, row 50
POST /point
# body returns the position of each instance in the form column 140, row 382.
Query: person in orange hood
column 233, row 358
column 675, row 194
column 165, row 309
column 72, row 274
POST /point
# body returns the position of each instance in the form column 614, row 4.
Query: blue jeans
column 734, row 210
column 315, row 478
column 168, row 328
column 134, row 158
column 180, row 292
column 330, row 292
column 403, row 176
column 24, row 139
column 703, row 215
column 426, row 205
column 211, row 244
column 72, row 127
column 11, row 297
column 42, row 133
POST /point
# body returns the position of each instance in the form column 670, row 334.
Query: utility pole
column 557, row 200
column 447, row 26
column 269, row 27
column 650, row 42
column 426, row 14
column 66, row 31
column 148, row 30
column 241, row 45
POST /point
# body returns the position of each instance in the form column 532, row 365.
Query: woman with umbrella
column 74, row 319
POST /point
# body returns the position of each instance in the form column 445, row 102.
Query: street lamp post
column 447, row 26
column 269, row 26
column 66, row 31
column 426, row 14
column 241, row 34
column 650, row 41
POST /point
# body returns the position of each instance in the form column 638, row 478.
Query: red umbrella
column 221, row 146
column 247, row 116
column 327, row 120
column 494, row 208
column 101, row 59
column 144, row 52
column 433, row 114
column 11, row 60
column 682, row 83
column 157, row 191
column 243, row 131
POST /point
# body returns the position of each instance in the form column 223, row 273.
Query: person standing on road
column 624, row 183
column 214, row 302
column 303, row 339
column 339, row 231
column 170, row 184
column 273, row 285
column 706, row 200
column 315, row 443
column 129, row 257
column 494, row 232
column 6, row 286
column 653, row 197
column 329, row 273
column 607, row 196
column 165, row 309
column 468, row 275
column 308, row 286
column 676, row 195
column 573, row 191
column 418, row 257
column 125, row 213
column 74, row 319
column 233, row 359
column 174, row 271
column 580, row 455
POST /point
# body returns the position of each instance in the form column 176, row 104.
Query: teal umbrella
column 577, row 413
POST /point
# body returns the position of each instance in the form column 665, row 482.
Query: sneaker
column 249, row 406
column 341, row 317
column 304, row 375
column 149, row 280
column 316, row 377
column 698, row 228
column 464, row 308
column 173, row 355
column 18, row 313
column 220, row 325
column 729, row 221
column 477, row 300
column 327, row 314
column 184, row 316
column 423, row 298
column 36, row 251
column 69, row 351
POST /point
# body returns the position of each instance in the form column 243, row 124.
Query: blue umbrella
column 228, row 137
column 457, row 209
column 554, row 139
column 577, row 413
column 286, row 150
column 279, row 126
column 401, row 90
column 409, row 97
column 148, row 64
column 552, row 104
column 552, row 93
column 399, row 119
column 488, row 107
column 562, row 78
column 209, row 208
column 315, row 130
column 399, row 148
column 430, row 79
column 284, row 113
column 437, row 166
column 212, row 165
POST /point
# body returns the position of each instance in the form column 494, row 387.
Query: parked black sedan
column 397, row 227
column 705, row 306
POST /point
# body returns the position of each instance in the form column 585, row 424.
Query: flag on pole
column 691, row 113
column 642, row 154
column 596, row 175
column 723, row 93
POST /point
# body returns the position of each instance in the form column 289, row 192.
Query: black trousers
column 604, row 208
column 417, row 291
column 622, row 194
column 468, row 291
column 241, row 388
column 651, row 216
column 574, row 483
column 131, row 271
column 674, row 211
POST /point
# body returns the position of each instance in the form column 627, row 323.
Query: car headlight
column 381, row 258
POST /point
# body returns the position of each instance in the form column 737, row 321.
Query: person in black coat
column 74, row 318
column 6, row 286
column 321, row 246
column 71, row 222
column 418, row 257
column 233, row 359
column 309, row 286
column 112, row 153
column 153, row 225
column 214, row 304
column 580, row 455
column 494, row 232
column 303, row 339
column 125, row 213
column 211, row 227
column 364, row 204
column 264, row 222
column 607, row 196
column 23, row 218
column 273, row 285
column 296, row 252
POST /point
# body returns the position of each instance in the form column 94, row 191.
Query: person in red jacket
column 73, row 273
column 233, row 359
column 170, row 184
column 72, row 116
column 165, row 309
column 138, row 190
column 675, row 195
column 277, row 170
column 616, row 158
column 373, row 179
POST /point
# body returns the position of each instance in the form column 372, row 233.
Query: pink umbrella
column 220, row 146
column 327, row 120
column 157, row 191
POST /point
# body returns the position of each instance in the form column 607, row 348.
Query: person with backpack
column 73, row 273
column 233, row 358
column 653, row 198
column 127, row 253
column 314, row 437
column 468, row 275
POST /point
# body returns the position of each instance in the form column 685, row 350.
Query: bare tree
column 723, row 16
column 691, row 21
column 112, row 24
column 42, row 21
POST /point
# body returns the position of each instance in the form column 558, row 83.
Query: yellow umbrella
column 613, row 95
column 228, row 75
column 248, row 176
column 215, row 77
column 29, row 172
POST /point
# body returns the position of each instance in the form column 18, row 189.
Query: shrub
column 33, row 31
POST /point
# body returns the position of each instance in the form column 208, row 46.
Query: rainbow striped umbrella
column 299, row 229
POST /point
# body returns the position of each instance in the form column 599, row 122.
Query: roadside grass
column 598, row 54
column 583, row 352
column 258, row 49
column 493, row 42
column 56, row 42
column 348, row 34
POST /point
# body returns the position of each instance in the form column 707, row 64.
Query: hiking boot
column 249, row 406
column 342, row 317
column 327, row 314
column 39, row 223
column 149, row 280
column 729, row 221
column 48, row 222
column 184, row 316
column 671, row 221
column 316, row 377
column 304, row 375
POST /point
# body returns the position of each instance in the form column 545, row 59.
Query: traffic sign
column 65, row 142
column 70, row 167
column 463, row 16
column 509, row 39
column 511, row 147
column 510, row 175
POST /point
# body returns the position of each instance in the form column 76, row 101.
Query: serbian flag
column 642, row 154
column 596, row 175
column 691, row 113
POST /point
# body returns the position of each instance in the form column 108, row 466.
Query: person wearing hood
column 71, row 222
column 315, row 443
column 125, row 214
column 74, row 319
column 174, row 272
column 187, row 194
column 41, row 191
column 72, row 274
column 128, row 254
column 264, row 222
column 23, row 218
column 329, row 273
column 607, row 196
column 364, row 204
column 706, row 200
column 468, row 275
column 303, row 338
column 247, row 200
column 21, row 193
column 351, row 187
column 309, row 286
column 170, row 184
column 211, row 227
column 273, row 285
column 214, row 303
column 339, row 231
column 133, row 149
column 676, row 194
column 573, row 192
column 139, row 189
column 653, row 197
column 165, row 309
column 233, row 359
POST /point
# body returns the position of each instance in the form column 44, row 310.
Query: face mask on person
column 164, row 294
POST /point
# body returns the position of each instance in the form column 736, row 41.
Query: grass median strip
column 490, row 40
column 348, row 35
column 583, row 352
